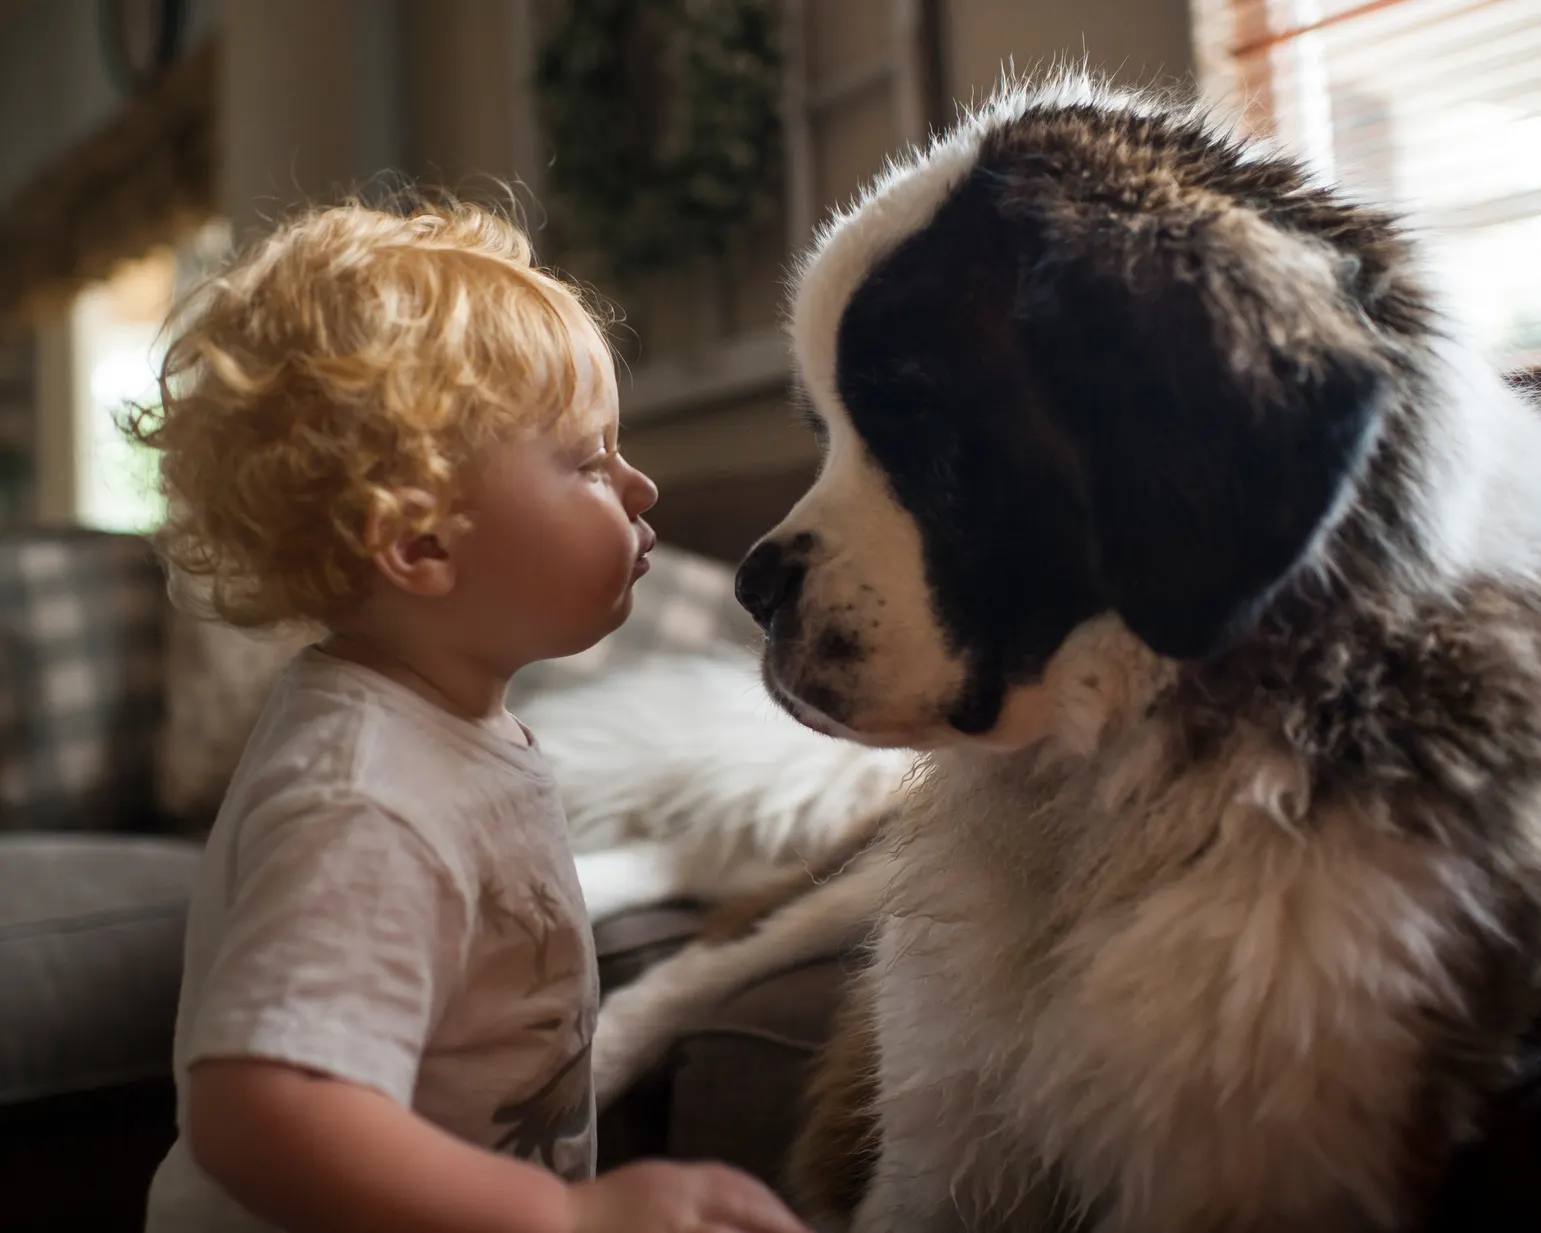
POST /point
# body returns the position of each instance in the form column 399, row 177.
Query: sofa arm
column 91, row 932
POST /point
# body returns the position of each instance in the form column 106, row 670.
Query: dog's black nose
column 767, row 579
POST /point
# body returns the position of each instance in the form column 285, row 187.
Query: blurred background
column 674, row 153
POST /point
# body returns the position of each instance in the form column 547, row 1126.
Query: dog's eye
column 816, row 425
column 809, row 414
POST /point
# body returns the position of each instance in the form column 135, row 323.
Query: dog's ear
column 1219, row 392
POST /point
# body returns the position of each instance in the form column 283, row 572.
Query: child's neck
column 454, row 682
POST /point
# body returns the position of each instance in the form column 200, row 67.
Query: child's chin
column 617, row 616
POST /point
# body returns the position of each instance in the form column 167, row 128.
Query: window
column 118, row 341
column 117, row 326
column 1432, row 106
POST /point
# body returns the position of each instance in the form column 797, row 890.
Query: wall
column 310, row 101
column 466, row 82
column 18, row 406
column 1138, row 40
column 322, row 96
column 54, row 84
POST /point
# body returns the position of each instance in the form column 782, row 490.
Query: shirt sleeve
column 344, row 936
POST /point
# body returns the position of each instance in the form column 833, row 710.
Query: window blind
column 1431, row 106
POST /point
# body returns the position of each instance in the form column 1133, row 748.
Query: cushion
column 80, row 679
column 90, row 959
column 217, row 682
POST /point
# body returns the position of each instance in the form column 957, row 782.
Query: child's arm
column 317, row 1155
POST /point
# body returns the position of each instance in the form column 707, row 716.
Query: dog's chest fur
column 1238, row 944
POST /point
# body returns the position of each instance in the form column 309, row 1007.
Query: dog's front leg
column 919, row 1137
column 907, row 1195
column 903, row 1197
column 844, row 1174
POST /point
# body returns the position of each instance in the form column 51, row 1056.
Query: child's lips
column 649, row 542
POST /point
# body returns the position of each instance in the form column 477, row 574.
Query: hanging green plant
column 662, row 120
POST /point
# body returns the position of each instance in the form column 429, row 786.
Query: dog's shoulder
column 1431, row 707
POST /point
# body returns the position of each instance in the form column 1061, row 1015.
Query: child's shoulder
column 315, row 732
column 338, row 731
column 326, row 700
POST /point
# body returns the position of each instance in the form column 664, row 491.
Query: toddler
column 398, row 428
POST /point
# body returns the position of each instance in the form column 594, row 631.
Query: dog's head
column 1082, row 356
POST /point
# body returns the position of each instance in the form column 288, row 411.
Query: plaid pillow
column 80, row 679
column 684, row 604
column 217, row 681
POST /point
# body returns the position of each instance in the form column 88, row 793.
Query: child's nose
column 641, row 492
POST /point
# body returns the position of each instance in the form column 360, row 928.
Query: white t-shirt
column 388, row 897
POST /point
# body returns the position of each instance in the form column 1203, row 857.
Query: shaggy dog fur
column 1163, row 507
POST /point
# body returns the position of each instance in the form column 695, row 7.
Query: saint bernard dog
column 1163, row 509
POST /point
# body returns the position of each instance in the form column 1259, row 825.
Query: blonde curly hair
column 326, row 391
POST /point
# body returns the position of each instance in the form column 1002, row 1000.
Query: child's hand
column 656, row 1197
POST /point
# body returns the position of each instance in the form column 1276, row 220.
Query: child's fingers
column 737, row 1227
column 740, row 1204
column 762, row 1222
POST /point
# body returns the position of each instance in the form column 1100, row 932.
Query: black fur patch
column 932, row 379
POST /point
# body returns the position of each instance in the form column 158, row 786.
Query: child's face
column 557, row 537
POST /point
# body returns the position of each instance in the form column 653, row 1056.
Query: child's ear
column 420, row 563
